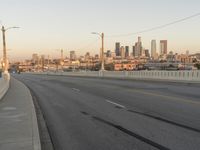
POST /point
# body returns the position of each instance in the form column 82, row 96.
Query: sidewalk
column 18, row 122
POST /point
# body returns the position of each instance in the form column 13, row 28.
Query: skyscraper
column 34, row 58
column 153, row 49
column 122, row 51
column 126, row 51
column 133, row 51
column 72, row 55
column 108, row 53
column 146, row 51
column 138, row 48
column 163, row 47
column 117, row 49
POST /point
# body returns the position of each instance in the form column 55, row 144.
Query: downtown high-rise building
column 108, row 53
column 35, row 58
column 146, row 53
column 122, row 52
column 126, row 51
column 117, row 49
column 138, row 48
column 153, row 49
column 163, row 47
column 72, row 55
column 133, row 51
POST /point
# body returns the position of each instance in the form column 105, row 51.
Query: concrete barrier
column 192, row 76
column 4, row 84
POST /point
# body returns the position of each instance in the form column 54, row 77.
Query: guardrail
column 4, row 84
column 146, row 75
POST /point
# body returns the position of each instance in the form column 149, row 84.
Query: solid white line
column 115, row 104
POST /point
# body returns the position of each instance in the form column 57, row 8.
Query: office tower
column 133, row 51
column 147, row 54
column 138, row 48
column 108, row 53
column 142, row 52
column 122, row 52
column 126, row 51
column 72, row 55
column 34, row 58
column 117, row 49
column 139, row 39
column 42, row 60
column 163, row 47
column 153, row 49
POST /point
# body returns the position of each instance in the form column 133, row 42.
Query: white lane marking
column 9, row 108
column 115, row 104
column 77, row 90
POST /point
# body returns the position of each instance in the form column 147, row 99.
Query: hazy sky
column 49, row 25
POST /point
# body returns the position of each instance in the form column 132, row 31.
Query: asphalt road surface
column 111, row 114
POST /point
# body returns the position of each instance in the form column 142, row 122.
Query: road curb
column 35, row 130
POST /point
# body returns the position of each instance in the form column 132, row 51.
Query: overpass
column 98, row 110
column 115, row 110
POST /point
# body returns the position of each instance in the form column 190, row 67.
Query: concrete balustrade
column 4, row 84
column 146, row 75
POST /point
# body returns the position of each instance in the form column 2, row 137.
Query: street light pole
column 102, row 49
column 5, row 68
column 5, row 60
column 61, row 59
column 102, row 52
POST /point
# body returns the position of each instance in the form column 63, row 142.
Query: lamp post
column 5, row 61
column 61, row 59
column 102, row 49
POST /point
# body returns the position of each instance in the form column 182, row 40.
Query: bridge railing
column 148, row 75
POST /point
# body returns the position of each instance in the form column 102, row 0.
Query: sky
column 46, row 26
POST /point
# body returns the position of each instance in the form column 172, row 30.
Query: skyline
column 50, row 25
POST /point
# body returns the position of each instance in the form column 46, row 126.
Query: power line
column 88, row 45
column 157, row 27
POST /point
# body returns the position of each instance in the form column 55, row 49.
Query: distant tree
column 171, row 66
column 109, row 67
column 194, row 60
column 198, row 66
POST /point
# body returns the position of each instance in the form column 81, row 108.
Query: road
column 110, row 114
